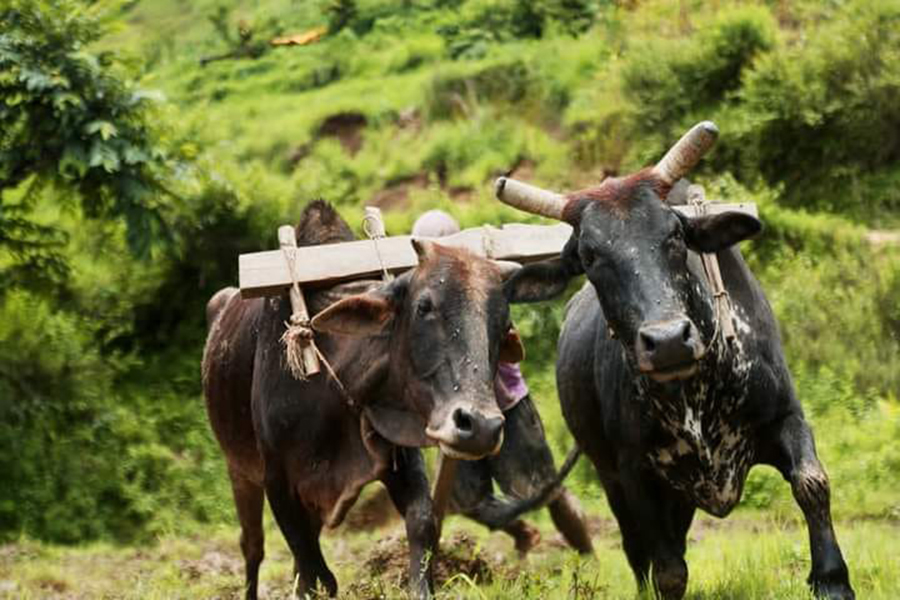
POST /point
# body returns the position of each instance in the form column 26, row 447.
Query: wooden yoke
column 267, row 273
column 298, row 333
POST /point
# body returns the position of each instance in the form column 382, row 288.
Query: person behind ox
column 524, row 463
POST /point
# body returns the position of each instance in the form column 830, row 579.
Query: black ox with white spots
column 672, row 415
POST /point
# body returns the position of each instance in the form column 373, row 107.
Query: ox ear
column 544, row 280
column 511, row 348
column 712, row 233
column 359, row 315
column 362, row 314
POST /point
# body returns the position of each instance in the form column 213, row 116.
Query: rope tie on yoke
column 721, row 299
column 299, row 332
column 374, row 229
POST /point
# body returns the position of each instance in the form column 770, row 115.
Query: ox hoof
column 671, row 581
column 833, row 590
column 527, row 537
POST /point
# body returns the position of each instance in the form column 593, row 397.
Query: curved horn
column 529, row 198
column 687, row 152
column 506, row 268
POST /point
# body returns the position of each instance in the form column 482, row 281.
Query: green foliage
column 79, row 459
column 457, row 91
column 340, row 14
column 68, row 117
column 806, row 114
column 822, row 119
column 482, row 23
column 663, row 86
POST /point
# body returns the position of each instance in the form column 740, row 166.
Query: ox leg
column 652, row 509
column 637, row 555
column 248, row 500
column 799, row 465
column 568, row 516
column 301, row 531
column 524, row 465
column 407, row 484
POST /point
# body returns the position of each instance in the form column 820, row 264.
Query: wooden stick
column 443, row 486
column 287, row 239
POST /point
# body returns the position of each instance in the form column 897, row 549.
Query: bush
column 663, row 86
column 457, row 91
column 822, row 118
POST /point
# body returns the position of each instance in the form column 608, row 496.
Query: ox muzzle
column 467, row 432
column 669, row 350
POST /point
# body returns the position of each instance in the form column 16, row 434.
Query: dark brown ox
column 416, row 358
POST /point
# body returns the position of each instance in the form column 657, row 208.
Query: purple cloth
column 509, row 385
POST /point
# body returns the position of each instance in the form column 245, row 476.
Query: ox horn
column 506, row 267
column 687, row 152
column 530, row 198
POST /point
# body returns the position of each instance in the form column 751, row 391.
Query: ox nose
column 476, row 434
column 672, row 345
column 469, row 434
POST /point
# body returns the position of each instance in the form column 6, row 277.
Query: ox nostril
column 463, row 422
column 494, row 428
column 647, row 341
column 686, row 331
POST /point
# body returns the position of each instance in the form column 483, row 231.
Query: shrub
column 822, row 118
column 455, row 91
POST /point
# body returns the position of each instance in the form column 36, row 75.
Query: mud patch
column 396, row 194
column 601, row 529
column 347, row 128
column 523, row 170
column 373, row 512
column 212, row 563
column 461, row 194
column 387, row 566
column 409, row 119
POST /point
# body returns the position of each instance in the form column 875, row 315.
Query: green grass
column 751, row 555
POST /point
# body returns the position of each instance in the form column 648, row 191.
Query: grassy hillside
column 420, row 104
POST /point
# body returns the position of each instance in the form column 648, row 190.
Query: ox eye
column 588, row 256
column 424, row 307
column 676, row 238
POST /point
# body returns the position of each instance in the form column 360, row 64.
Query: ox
column 671, row 414
column 415, row 359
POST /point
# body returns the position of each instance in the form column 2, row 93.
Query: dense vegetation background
column 132, row 175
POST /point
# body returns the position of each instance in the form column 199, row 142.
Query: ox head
column 448, row 324
column 633, row 247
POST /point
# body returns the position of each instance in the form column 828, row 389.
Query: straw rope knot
column 298, row 334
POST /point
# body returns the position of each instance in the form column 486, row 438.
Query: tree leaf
column 105, row 128
column 105, row 156
column 73, row 164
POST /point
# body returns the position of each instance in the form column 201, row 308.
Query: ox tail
column 513, row 509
